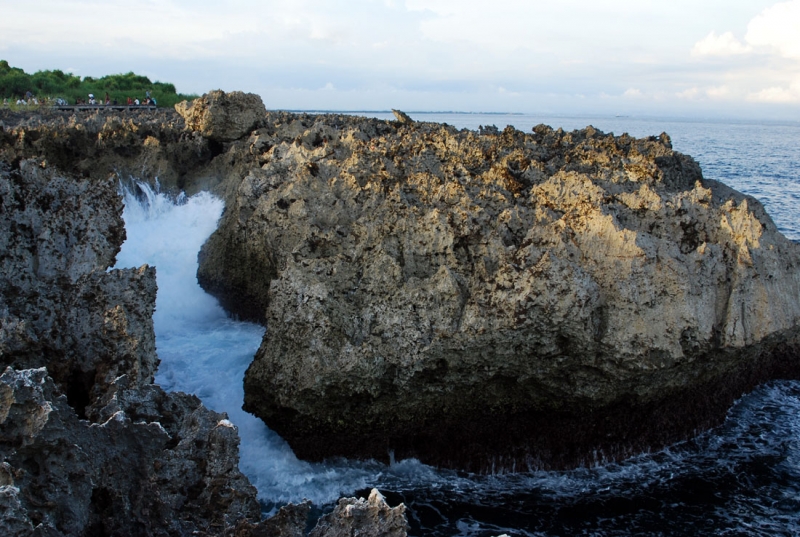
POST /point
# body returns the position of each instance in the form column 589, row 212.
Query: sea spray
column 204, row 352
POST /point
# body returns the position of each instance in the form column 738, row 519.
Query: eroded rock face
column 60, row 308
column 367, row 518
column 89, row 445
column 152, row 464
column 221, row 116
column 496, row 300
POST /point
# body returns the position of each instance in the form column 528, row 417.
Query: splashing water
column 206, row 353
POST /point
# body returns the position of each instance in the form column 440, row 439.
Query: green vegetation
column 50, row 85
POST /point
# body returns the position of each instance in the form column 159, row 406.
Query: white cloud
column 690, row 93
column 633, row 93
column 720, row 45
column 777, row 94
column 777, row 27
column 718, row 92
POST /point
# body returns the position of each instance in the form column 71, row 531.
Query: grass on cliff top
column 47, row 86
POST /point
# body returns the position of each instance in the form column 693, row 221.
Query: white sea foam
column 204, row 352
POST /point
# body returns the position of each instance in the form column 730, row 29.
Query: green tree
column 14, row 83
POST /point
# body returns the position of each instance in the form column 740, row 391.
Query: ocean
column 740, row 479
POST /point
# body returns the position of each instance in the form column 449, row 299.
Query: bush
column 15, row 83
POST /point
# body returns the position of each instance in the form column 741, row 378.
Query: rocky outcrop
column 151, row 464
column 223, row 117
column 89, row 445
column 147, row 146
column 60, row 307
column 366, row 518
column 402, row 117
column 497, row 299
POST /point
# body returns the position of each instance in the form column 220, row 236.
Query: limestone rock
column 88, row 445
column 155, row 464
column 497, row 300
column 59, row 236
column 221, row 116
column 290, row 521
column 366, row 518
column 402, row 117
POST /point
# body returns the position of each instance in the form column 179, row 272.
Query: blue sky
column 686, row 58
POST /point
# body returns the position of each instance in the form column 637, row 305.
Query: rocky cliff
column 89, row 445
column 487, row 300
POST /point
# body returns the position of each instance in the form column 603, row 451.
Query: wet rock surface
column 496, row 299
column 367, row 518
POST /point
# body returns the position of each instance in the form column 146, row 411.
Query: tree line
column 56, row 84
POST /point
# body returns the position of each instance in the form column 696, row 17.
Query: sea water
column 742, row 478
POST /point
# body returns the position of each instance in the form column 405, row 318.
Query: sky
column 682, row 58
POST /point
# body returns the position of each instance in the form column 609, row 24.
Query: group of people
column 148, row 101
column 31, row 100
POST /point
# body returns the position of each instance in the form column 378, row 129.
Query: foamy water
column 206, row 353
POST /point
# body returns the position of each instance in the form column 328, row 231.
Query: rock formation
column 496, row 300
column 221, row 116
column 89, row 446
column 366, row 518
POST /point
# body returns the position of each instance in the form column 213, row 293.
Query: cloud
column 778, row 28
column 777, row 94
column 690, row 93
column 633, row 93
column 720, row 45
column 718, row 92
column 764, row 67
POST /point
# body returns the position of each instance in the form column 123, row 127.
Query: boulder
column 366, row 518
column 500, row 300
column 223, row 117
column 402, row 117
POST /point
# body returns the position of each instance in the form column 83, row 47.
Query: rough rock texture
column 58, row 236
column 153, row 464
column 89, row 446
column 496, row 300
column 402, row 117
column 366, row 518
column 221, row 116
column 147, row 146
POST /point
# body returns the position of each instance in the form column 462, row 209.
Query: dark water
column 742, row 478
